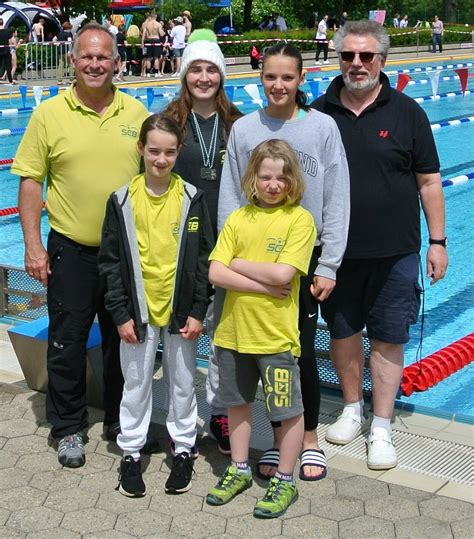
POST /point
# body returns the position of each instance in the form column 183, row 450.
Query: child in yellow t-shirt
column 260, row 254
column 156, row 241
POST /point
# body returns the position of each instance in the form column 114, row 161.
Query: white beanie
column 206, row 51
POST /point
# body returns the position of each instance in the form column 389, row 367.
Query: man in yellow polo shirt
column 84, row 143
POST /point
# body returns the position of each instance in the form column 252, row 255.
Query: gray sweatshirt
column 316, row 140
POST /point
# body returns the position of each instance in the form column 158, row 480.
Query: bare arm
column 264, row 272
column 432, row 201
column 30, row 203
column 222, row 276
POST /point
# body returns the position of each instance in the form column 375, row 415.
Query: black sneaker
column 130, row 478
column 194, row 450
column 112, row 431
column 151, row 446
column 179, row 479
column 219, row 430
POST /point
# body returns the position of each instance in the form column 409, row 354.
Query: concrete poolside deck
column 39, row 498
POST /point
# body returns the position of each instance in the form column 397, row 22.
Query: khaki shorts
column 239, row 375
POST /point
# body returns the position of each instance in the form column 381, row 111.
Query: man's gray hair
column 93, row 26
column 363, row 28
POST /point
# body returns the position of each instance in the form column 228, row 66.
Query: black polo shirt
column 385, row 146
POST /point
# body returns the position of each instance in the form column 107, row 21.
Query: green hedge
column 397, row 38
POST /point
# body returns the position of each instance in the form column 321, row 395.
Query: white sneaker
column 317, row 63
column 381, row 450
column 326, row 62
column 346, row 428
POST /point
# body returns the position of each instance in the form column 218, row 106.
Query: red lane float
column 6, row 161
column 432, row 369
column 12, row 211
column 8, row 211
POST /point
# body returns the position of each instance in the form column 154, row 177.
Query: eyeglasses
column 364, row 57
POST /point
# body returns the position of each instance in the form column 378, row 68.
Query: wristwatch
column 443, row 242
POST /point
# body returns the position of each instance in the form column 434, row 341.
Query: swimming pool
column 449, row 306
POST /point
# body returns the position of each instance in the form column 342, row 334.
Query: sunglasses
column 365, row 57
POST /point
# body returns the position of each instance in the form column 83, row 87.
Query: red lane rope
column 436, row 367
column 6, row 161
column 8, row 211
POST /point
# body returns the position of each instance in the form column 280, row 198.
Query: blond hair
column 274, row 149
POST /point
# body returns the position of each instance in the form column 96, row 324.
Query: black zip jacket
column 119, row 263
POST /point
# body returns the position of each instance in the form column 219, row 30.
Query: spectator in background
column 267, row 23
column 343, row 19
column 37, row 31
column 121, row 46
column 152, row 40
column 64, row 40
column 188, row 25
column 404, row 22
column 322, row 40
column 437, row 31
column 5, row 52
column 280, row 23
column 332, row 23
column 109, row 25
column 178, row 37
column 396, row 20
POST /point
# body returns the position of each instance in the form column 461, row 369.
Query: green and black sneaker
column 230, row 484
column 279, row 496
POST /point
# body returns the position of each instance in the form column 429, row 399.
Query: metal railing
column 21, row 296
column 48, row 60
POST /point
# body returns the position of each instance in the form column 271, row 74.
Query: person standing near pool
column 205, row 115
column 437, row 32
column 317, row 142
column 393, row 163
column 85, row 142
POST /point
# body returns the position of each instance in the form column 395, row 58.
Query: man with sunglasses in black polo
column 393, row 163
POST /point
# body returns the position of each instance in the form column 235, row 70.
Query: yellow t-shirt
column 259, row 323
column 157, row 220
column 84, row 158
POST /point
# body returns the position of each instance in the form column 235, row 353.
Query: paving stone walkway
column 39, row 498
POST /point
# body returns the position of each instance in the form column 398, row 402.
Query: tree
column 247, row 15
column 65, row 9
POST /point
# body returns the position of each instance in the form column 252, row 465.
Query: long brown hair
column 180, row 108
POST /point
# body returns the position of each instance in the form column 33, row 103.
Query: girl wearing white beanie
column 206, row 115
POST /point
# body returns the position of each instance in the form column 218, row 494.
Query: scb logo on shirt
column 275, row 245
column 193, row 224
column 175, row 228
column 129, row 131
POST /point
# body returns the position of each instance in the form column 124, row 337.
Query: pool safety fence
column 48, row 60
column 51, row 59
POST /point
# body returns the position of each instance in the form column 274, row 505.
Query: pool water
column 449, row 305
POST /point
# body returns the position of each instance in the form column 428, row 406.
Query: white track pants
column 179, row 367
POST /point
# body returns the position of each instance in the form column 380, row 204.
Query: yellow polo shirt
column 83, row 157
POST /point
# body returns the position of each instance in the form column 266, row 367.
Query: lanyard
column 208, row 153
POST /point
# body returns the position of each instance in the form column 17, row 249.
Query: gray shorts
column 239, row 375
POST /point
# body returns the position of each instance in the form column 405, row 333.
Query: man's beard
column 366, row 84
